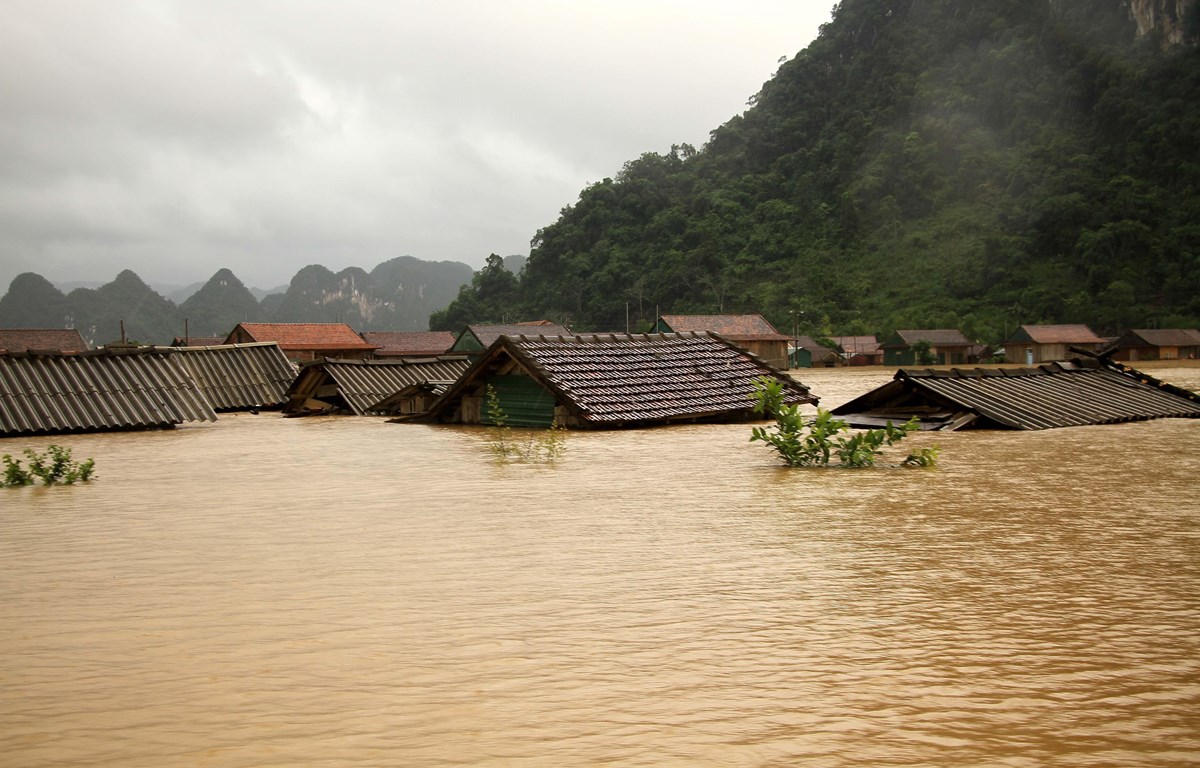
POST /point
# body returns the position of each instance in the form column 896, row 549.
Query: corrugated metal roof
column 363, row 384
column 97, row 391
column 620, row 379
column 1065, row 394
column 240, row 376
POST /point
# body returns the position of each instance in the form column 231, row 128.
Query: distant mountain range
column 397, row 295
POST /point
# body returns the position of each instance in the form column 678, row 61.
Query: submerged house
column 611, row 380
column 1061, row 394
column 372, row 387
column 807, row 352
column 305, row 341
column 1031, row 344
column 65, row 340
column 475, row 339
column 97, row 391
column 239, row 377
column 859, row 350
column 750, row 332
column 409, row 343
column 947, row 346
column 1158, row 344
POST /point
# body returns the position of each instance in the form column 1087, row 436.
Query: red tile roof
column 303, row 335
column 42, row 340
column 409, row 343
column 733, row 327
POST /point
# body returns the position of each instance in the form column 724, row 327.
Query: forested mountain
column 397, row 295
column 922, row 164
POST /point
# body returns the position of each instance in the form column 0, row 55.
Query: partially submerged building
column 751, row 332
column 807, row 352
column 1031, row 344
column 611, row 380
column 1158, row 344
column 372, row 387
column 64, row 340
column 945, row 346
column 1060, row 394
column 476, row 339
column 859, row 350
column 97, row 391
column 239, row 377
column 393, row 344
column 302, row 342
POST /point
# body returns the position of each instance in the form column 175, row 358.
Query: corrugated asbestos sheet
column 240, row 376
column 1064, row 394
column 363, row 386
column 609, row 380
column 97, row 391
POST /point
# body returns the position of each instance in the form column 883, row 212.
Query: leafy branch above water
column 816, row 442
column 533, row 447
column 54, row 467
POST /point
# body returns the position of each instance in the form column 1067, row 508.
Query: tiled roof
column 733, row 327
column 410, row 343
column 304, row 335
column 99, row 390
column 364, row 384
column 487, row 334
column 42, row 340
column 1066, row 394
column 1057, row 334
column 938, row 337
column 632, row 380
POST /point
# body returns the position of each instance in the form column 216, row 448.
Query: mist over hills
column 396, row 295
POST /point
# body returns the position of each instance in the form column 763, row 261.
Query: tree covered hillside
column 923, row 163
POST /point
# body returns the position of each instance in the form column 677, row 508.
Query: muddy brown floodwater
column 341, row 591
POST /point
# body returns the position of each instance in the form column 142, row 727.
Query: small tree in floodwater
column 53, row 467
column 816, row 442
column 534, row 447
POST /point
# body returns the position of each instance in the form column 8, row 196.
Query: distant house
column 948, row 346
column 1059, row 394
column 1045, row 343
column 305, row 341
column 808, row 353
column 409, row 343
column 1158, row 344
column 67, row 340
column 474, row 339
column 97, row 391
column 859, row 350
column 611, row 380
column 750, row 332
column 371, row 387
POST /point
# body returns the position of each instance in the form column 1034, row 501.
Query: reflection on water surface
column 342, row 591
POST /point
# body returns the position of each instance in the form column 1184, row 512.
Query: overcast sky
column 176, row 137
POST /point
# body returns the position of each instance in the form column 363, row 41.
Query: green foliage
column 541, row 447
column 927, row 161
column 815, row 442
column 53, row 467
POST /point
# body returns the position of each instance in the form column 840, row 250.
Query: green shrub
column 816, row 442
column 545, row 446
column 54, row 467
